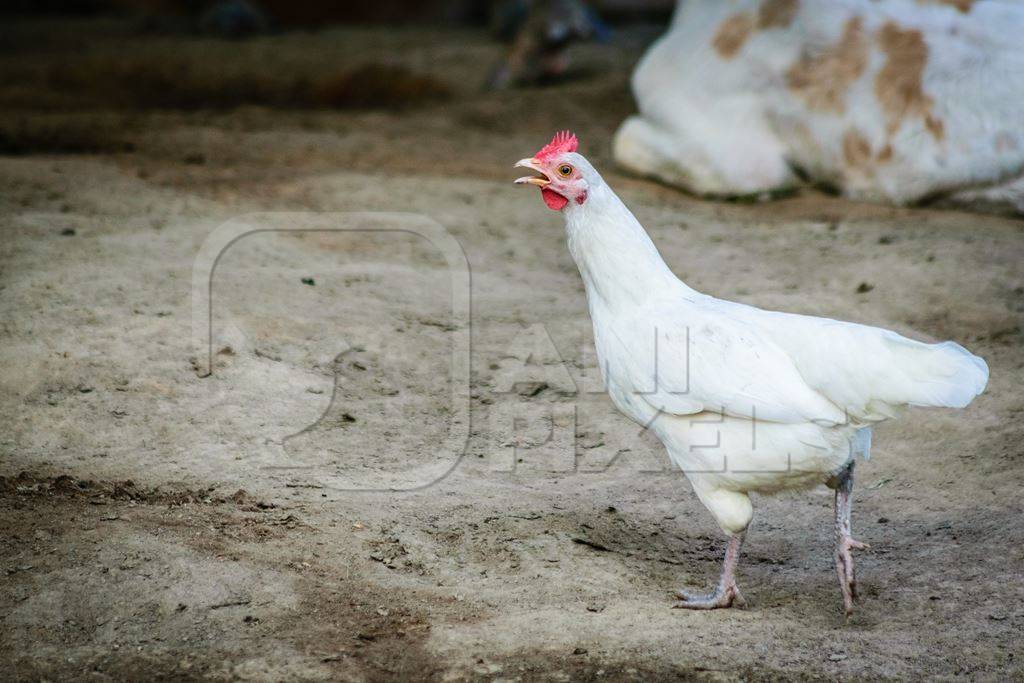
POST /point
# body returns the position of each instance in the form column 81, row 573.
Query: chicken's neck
column 617, row 259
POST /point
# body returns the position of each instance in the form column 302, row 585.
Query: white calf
column 886, row 100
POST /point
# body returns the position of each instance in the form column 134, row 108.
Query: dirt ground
column 160, row 521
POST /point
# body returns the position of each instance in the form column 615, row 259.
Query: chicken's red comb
column 562, row 142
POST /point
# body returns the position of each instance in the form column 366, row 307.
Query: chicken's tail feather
column 942, row 375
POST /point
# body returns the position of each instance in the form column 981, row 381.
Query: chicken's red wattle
column 555, row 201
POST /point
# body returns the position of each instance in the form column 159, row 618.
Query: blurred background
column 122, row 76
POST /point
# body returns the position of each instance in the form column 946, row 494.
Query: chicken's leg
column 844, row 541
column 727, row 593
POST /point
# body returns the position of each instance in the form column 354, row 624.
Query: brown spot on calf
column 898, row 83
column 856, row 149
column 776, row 13
column 885, row 154
column 822, row 80
column 963, row 5
column 935, row 126
column 732, row 34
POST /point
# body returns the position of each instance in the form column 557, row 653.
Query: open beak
column 540, row 181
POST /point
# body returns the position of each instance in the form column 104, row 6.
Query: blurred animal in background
column 884, row 100
column 234, row 19
column 744, row 400
column 539, row 33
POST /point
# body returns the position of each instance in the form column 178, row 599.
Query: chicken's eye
column 565, row 170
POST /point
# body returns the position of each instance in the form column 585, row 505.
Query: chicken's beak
column 533, row 165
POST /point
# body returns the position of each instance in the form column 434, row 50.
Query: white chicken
column 744, row 400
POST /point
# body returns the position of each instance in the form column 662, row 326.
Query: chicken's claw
column 728, row 596
column 845, row 570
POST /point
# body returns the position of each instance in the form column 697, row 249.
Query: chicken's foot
column 845, row 543
column 727, row 593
